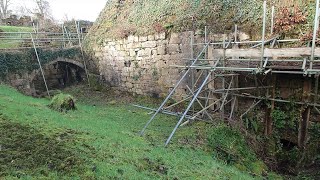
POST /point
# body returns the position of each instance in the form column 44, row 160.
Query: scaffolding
column 211, row 78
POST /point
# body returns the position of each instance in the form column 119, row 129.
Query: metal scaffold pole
column 263, row 32
column 216, row 87
column 37, row 55
column 173, row 90
column 187, row 110
column 82, row 53
column 315, row 31
column 272, row 19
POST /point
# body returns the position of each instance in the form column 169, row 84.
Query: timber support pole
column 270, row 108
column 305, row 114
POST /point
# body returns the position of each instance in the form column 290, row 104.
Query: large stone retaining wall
column 143, row 64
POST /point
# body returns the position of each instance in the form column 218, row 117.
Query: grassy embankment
column 12, row 43
column 100, row 141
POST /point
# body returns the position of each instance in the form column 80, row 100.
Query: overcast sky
column 78, row 9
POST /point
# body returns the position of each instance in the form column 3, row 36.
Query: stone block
column 132, row 53
column 118, row 47
column 123, row 78
column 139, row 58
column 125, row 72
column 160, row 36
column 98, row 54
column 139, row 91
column 130, row 45
column 175, row 39
column 151, row 38
column 154, row 52
column 120, row 58
column 149, row 44
column 112, row 43
column 141, row 53
column 161, row 50
column 136, row 39
column 144, row 52
column 173, row 48
column 243, row 36
column 143, row 38
column 129, row 85
column 137, row 45
column 123, row 53
column 120, row 42
column 130, row 39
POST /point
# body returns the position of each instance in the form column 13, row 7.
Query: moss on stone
column 62, row 103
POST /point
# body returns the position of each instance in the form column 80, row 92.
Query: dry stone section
column 143, row 64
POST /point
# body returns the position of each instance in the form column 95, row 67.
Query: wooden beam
column 256, row 53
column 305, row 114
column 268, row 116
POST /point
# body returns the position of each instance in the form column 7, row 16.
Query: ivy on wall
column 26, row 61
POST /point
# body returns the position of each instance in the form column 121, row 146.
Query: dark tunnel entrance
column 58, row 76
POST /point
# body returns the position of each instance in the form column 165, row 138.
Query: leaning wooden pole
column 305, row 114
column 37, row 55
column 269, row 109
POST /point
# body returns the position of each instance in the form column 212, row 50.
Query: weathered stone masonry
column 142, row 64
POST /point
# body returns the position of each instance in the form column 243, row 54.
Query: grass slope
column 107, row 144
column 16, row 29
column 14, row 43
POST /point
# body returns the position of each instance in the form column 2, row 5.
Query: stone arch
column 35, row 72
column 59, row 73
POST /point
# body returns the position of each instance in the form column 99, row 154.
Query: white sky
column 77, row 9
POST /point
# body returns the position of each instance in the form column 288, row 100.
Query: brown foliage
column 288, row 18
column 124, row 31
column 309, row 36
column 158, row 27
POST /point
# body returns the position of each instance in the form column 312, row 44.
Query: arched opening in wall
column 58, row 75
column 287, row 145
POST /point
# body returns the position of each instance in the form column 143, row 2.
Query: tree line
column 41, row 8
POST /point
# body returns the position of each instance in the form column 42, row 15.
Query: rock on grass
column 62, row 103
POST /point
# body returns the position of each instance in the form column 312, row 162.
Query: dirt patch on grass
column 24, row 151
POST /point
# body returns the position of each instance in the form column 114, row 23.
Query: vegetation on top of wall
column 26, row 61
column 120, row 19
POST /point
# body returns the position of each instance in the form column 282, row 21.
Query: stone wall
column 143, row 64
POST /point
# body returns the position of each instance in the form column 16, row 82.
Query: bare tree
column 4, row 11
column 43, row 8
column 42, row 13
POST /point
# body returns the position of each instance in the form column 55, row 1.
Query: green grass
column 12, row 43
column 111, row 146
column 16, row 29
